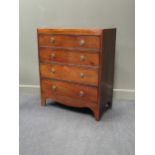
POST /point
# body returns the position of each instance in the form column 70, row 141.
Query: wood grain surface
column 69, row 57
column 67, row 41
column 68, row 73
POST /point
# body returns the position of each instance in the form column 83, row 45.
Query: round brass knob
column 82, row 57
column 53, row 70
column 82, row 42
column 53, row 55
column 52, row 40
column 82, row 75
column 81, row 93
column 54, row 88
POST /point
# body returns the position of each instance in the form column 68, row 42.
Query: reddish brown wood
column 69, row 57
column 98, row 67
column 63, row 31
column 68, row 41
column 68, row 89
column 107, row 69
column 69, row 73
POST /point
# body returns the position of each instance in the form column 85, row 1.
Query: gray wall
column 79, row 13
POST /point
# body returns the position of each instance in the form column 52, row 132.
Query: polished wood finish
column 69, row 57
column 67, row 41
column 62, row 31
column 77, row 67
column 69, row 73
column 57, row 88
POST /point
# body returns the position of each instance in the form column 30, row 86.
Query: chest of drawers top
column 74, row 68
column 63, row 31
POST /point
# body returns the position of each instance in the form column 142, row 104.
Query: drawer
column 72, row 57
column 70, row 41
column 69, row 73
column 56, row 89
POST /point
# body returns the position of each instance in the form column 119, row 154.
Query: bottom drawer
column 55, row 89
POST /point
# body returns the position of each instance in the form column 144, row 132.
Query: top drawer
column 69, row 41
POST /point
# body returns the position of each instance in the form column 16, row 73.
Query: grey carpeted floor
column 59, row 130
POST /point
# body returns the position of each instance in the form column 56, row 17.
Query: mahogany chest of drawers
column 77, row 67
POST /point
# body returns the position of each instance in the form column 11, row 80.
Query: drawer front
column 67, row 41
column 69, row 73
column 73, row 57
column 55, row 89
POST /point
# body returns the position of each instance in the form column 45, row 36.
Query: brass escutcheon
column 81, row 93
column 53, row 70
column 52, row 40
column 82, row 42
column 82, row 75
column 54, row 88
column 53, row 55
column 82, row 57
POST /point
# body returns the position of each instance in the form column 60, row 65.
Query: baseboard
column 124, row 94
column 29, row 89
column 128, row 94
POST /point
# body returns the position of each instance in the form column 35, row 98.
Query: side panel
column 107, row 68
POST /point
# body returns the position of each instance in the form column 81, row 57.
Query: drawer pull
column 82, row 57
column 53, row 70
column 81, row 93
column 82, row 42
column 82, row 75
column 53, row 55
column 54, row 88
column 52, row 40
